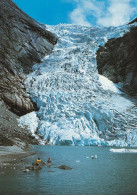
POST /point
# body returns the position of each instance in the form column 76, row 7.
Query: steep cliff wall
column 23, row 42
column 117, row 60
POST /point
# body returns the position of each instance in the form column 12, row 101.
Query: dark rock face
column 64, row 167
column 117, row 60
column 133, row 21
column 10, row 132
column 23, row 42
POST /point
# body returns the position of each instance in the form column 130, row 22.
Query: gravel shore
column 12, row 153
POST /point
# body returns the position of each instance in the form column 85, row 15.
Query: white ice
column 30, row 121
column 77, row 106
column 108, row 85
column 123, row 150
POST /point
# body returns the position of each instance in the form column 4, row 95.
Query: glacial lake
column 111, row 173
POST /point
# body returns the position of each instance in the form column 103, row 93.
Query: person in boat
column 38, row 160
column 49, row 160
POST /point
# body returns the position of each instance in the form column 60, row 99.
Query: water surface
column 112, row 173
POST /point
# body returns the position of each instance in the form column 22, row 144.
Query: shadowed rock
column 37, row 164
column 117, row 60
column 64, row 167
column 133, row 21
column 23, row 42
column 10, row 132
column 33, row 167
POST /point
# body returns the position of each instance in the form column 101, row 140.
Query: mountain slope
column 117, row 60
column 23, row 42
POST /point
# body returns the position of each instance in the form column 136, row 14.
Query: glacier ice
column 77, row 106
column 123, row 150
column 108, row 85
column 31, row 122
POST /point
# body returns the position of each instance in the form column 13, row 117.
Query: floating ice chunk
column 123, row 150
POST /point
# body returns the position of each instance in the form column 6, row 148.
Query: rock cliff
column 23, row 43
column 117, row 60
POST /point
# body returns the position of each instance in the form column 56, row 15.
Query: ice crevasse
column 77, row 106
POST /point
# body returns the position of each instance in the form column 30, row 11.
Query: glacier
column 77, row 106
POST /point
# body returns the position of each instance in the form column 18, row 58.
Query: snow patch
column 108, row 85
column 29, row 121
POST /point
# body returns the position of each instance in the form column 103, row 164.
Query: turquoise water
column 111, row 173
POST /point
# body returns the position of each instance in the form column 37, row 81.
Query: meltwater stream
column 77, row 106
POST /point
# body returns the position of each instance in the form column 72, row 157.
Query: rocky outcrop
column 64, row 167
column 117, row 60
column 10, row 132
column 23, row 42
column 133, row 21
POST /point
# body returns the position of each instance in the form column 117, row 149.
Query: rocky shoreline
column 12, row 156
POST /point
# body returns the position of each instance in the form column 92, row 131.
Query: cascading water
column 77, row 106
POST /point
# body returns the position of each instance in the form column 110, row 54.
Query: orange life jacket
column 38, row 161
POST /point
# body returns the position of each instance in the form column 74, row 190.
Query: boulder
column 37, row 164
column 33, row 167
column 64, row 167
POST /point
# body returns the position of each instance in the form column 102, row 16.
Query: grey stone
column 64, row 167
column 23, row 42
column 117, row 60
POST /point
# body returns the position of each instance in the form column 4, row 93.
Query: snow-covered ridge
column 77, row 106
